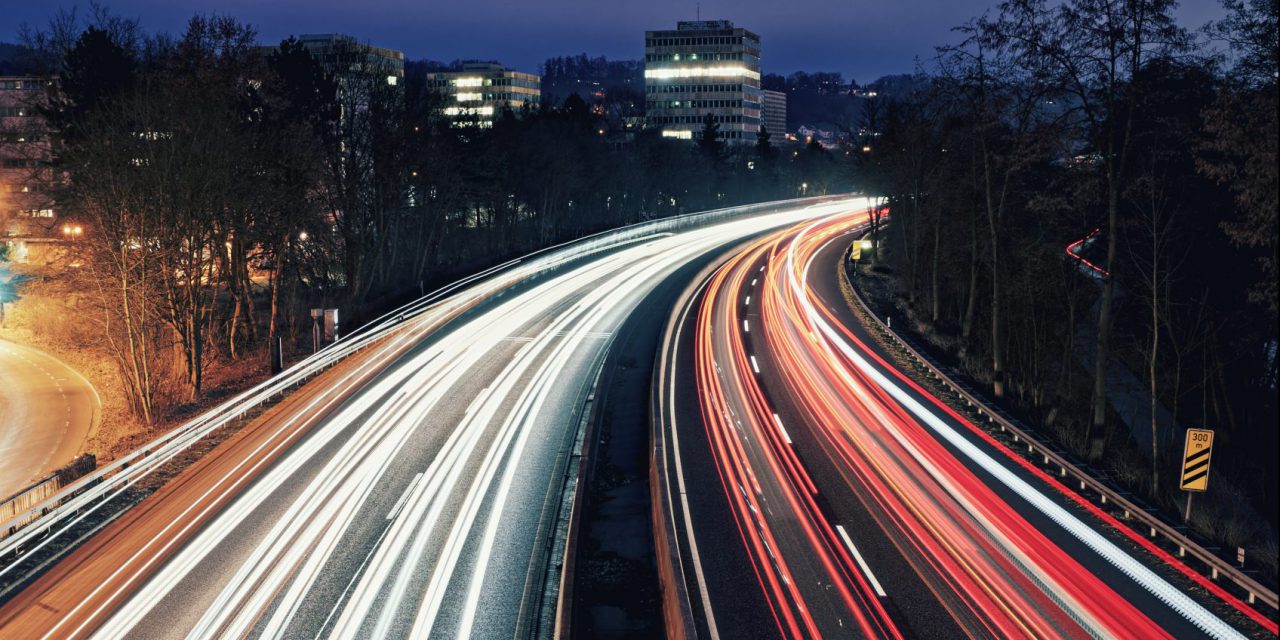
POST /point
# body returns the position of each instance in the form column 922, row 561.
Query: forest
column 1082, row 216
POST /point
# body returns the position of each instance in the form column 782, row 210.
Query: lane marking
column 747, row 302
column 754, row 365
column 707, row 611
column 778, row 421
column 746, row 328
column 871, row 577
column 475, row 404
column 404, row 496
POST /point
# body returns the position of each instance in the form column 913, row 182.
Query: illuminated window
column 700, row 72
column 392, row 80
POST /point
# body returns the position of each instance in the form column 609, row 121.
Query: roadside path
column 46, row 411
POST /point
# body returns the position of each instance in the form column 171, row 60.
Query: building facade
column 481, row 90
column 346, row 58
column 700, row 68
column 775, row 113
column 27, row 209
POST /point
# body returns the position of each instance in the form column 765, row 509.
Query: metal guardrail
column 1155, row 526
column 36, row 526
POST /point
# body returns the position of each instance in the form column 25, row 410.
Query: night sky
column 860, row 38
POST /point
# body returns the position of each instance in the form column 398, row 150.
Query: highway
column 46, row 411
column 814, row 490
column 411, row 490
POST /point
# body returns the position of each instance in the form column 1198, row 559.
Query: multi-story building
column 27, row 210
column 345, row 57
column 700, row 68
column 775, row 113
column 481, row 90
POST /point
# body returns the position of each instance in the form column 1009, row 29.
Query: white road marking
column 404, row 496
column 785, row 436
column 871, row 577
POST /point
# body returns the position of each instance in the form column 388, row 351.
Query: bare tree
column 1094, row 49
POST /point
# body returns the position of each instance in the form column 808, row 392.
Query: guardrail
column 1155, row 527
column 32, row 529
column 36, row 492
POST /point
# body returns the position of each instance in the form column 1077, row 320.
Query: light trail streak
column 996, row 573
column 363, row 511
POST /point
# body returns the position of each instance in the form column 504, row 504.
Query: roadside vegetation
column 225, row 189
column 1149, row 151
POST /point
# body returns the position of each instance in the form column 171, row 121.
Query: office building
column 346, row 58
column 27, row 210
column 775, row 113
column 703, row 67
column 478, row 93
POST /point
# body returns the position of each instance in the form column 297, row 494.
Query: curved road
column 816, row 491
column 46, row 411
column 414, row 489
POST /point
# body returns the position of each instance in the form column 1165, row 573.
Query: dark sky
column 863, row 39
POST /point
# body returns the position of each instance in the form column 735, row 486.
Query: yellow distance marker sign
column 1195, row 460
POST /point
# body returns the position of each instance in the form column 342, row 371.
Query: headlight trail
column 401, row 493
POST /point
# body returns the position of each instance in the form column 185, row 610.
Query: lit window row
column 702, row 72
column 468, row 111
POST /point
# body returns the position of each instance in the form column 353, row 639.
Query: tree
column 709, row 142
column 1239, row 148
column 1094, row 49
column 1002, row 95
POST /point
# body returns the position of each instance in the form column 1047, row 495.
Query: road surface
column 411, row 490
column 815, row 491
column 46, row 412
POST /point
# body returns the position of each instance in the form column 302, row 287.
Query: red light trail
column 994, row 569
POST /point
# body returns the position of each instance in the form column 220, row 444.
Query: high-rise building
column 346, row 58
column 775, row 113
column 481, row 90
column 27, row 209
column 700, row 68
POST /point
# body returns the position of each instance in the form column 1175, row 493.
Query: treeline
column 225, row 188
column 1048, row 121
column 818, row 99
column 564, row 75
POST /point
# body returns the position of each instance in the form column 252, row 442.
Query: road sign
column 1195, row 459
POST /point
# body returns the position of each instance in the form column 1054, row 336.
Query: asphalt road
column 46, row 412
column 815, row 491
column 411, row 490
